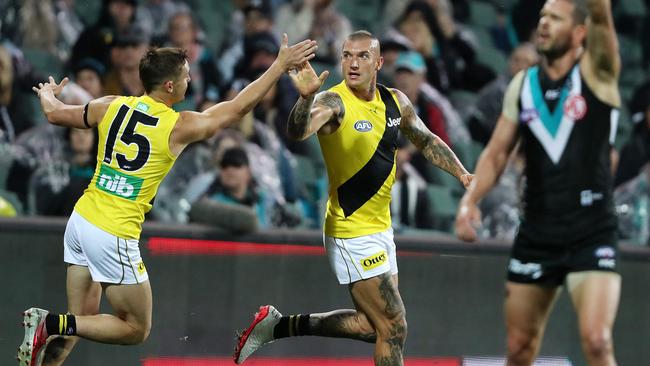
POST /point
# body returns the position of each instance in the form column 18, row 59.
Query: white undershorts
column 110, row 259
column 363, row 257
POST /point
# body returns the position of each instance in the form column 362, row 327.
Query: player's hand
column 466, row 179
column 468, row 219
column 51, row 85
column 292, row 56
column 305, row 79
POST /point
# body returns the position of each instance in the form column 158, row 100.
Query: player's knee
column 522, row 345
column 597, row 342
column 138, row 334
column 394, row 328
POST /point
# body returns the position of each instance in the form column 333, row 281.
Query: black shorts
column 534, row 261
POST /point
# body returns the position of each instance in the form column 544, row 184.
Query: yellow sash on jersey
column 133, row 157
column 360, row 159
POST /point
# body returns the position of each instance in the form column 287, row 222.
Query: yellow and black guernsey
column 360, row 159
column 133, row 157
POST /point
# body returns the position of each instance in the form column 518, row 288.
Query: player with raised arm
column 564, row 112
column 139, row 140
column 357, row 122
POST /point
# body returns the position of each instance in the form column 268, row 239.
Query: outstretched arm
column 313, row 114
column 310, row 114
column 602, row 44
column 195, row 126
column 75, row 116
column 431, row 146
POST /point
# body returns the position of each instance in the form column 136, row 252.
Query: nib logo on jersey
column 118, row 184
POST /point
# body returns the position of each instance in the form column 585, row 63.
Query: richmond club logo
column 575, row 107
column 363, row 126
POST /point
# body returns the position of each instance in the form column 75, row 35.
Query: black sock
column 292, row 326
column 60, row 324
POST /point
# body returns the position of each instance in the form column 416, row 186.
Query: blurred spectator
column 487, row 110
column 295, row 18
column 645, row 38
column 410, row 205
column 159, row 13
column 204, row 72
column 9, row 20
column 50, row 26
column 257, row 17
column 7, row 129
column 329, row 29
column 43, row 150
column 432, row 107
column 500, row 32
column 116, row 16
column 40, row 147
column 500, row 208
column 124, row 78
column 69, row 23
column 234, row 184
column 391, row 44
column 16, row 107
column 56, row 190
column 38, row 25
column 88, row 73
column 524, row 17
column 318, row 20
column 450, row 58
column 265, row 127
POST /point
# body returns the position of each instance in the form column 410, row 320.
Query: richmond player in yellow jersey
column 140, row 138
column 357, row 122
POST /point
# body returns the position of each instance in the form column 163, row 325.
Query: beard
column 556, row 49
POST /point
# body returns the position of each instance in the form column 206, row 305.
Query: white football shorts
column 109, row 258
column 363, row 257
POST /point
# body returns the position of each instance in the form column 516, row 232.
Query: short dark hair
column 161, row 64
column 580, row 11
column 362, row 34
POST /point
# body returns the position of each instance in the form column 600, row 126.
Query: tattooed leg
column 379, row 299
column 344, row 323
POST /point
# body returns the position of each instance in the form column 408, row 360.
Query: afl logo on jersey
column 575, row 107
column 363, row 126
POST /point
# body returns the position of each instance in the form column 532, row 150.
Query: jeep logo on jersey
column 118, row 184
column 363, row 126
column 394, row 122
column 374, row 261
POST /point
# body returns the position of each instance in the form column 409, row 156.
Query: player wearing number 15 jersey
column 139, row 139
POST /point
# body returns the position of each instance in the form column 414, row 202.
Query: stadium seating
column 444, row 202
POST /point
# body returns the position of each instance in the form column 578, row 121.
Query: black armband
column 86, row 116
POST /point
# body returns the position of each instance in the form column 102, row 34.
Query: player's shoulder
column 328, row 98
column 107, row 99
column 402, row 99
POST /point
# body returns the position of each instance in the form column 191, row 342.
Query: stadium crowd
column 453, row 59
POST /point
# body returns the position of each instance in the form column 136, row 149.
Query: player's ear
column 169, row 86
column 380, row 63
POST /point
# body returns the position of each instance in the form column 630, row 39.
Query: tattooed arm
column 430, row 145
column 321, row 113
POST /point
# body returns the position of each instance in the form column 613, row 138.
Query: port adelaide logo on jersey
column 363, row 126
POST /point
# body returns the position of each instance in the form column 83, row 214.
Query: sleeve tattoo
column 300, row 115
column 431, row 146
